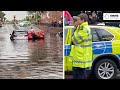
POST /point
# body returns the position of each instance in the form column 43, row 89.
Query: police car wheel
column 105, row 69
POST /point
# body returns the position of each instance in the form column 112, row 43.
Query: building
column 49, row 16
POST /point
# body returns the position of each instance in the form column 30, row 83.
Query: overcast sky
column 19, row 14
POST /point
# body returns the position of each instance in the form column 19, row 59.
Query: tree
column 5, row 19
column 38, row 14
column 2, row 14
column 27, row 18
column 31, row 12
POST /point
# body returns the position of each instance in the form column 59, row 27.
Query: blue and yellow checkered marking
column 98, row 48
column 118, row 55
column 67, row 49
column 102, row 47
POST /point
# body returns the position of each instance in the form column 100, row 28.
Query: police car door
column 101, row 41
column 68, row 31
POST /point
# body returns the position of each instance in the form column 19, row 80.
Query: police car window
column 105, row 35
column 95, row 37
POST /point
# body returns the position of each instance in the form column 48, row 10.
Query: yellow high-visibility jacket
column 68, row 37
column 81, row 50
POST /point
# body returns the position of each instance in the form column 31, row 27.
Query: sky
column 19, row 14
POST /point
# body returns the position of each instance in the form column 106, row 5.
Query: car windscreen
column 20, row 32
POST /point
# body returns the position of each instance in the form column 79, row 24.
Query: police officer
column 33, row 34
column 81, row 51
column 32, row 30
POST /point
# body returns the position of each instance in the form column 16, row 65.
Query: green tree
column 27, row 18
column 38, row 14
column 4, row 19
column 31, row 12
column 2, row 14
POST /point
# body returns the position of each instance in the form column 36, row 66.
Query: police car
column 106, row 51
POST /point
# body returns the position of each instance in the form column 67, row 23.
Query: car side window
column 105, row 35
column 95, row 37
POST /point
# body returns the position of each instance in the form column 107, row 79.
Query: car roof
column 114, row 30
column 108, row 28
column 20, row 30
column 101, row 26
column 94, row 26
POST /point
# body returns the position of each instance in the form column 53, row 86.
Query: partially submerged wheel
column 105, row 69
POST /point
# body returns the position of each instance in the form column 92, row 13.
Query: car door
column 67, row 47
column 101, row 42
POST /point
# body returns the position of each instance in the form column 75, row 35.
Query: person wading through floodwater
column 33, row 34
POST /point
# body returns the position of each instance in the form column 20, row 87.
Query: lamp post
column 36, row 15
column 33, row 17
column 30, row 18
column 14, row 19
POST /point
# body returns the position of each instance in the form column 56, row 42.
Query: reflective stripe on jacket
column 81, row 51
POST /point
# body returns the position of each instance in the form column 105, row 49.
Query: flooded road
column 27, row 59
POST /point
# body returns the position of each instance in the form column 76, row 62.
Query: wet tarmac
column 27, row 59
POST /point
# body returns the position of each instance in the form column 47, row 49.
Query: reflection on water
column 38, row 51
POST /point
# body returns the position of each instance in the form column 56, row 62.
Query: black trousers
column 79, row 73
column 34, row 36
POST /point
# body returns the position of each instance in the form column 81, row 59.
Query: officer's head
column 81, row 18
